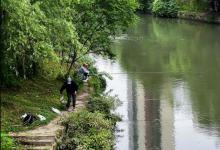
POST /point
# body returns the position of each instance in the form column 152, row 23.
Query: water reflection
column 167, row 75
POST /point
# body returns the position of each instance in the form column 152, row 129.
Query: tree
column 62, row 31
column 24, row 36
column 98, row 21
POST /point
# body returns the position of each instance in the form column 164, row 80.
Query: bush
column 98, row 83
column 6, row 142
column 91, row 129
column 164, row 8
column 103, row 103
column 51, row 69
column 87, row 131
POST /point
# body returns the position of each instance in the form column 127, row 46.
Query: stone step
column 23, row 137
column 39, row 148
column 37, row 142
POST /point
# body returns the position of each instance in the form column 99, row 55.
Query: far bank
column 205, row 11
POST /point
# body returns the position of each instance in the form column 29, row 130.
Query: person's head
column 69, row 80
column 85, row 65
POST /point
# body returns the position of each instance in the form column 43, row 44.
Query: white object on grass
column 42, row 118
column 61, row 98
column 56, row 110
column 24, row 115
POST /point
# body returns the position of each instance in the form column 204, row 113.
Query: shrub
column 7, row 143
column 98, row 83
column 102, row 103
column 87, row 131
column 164, row 8
column 51, row 69
column 91, row 129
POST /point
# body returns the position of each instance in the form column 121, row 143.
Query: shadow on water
column 167, row 75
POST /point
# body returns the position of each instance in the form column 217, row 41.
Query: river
column 167, row 75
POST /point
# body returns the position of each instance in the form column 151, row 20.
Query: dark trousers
column 71, row 97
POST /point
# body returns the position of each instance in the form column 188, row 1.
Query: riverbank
column 47, row 136
column 200, row 16
column 196, row 16
column 32, row 97
column 36, row 96
column 205, row 11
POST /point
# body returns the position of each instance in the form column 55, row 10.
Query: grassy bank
column 90, row 128
column 35, row 96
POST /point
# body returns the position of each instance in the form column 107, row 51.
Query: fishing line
column 145, row 72
column 131, row 121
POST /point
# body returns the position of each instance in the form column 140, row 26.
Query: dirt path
column 45, row 137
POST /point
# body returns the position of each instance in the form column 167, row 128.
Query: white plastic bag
column 42, row 118
column 23, row 116
column 56, row 110
column 62, row 99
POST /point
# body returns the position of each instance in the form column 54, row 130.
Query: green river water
column 167, row 74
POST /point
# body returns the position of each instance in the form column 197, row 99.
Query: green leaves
column 65, row 30
column 87, row 131
column 165, row 8
column 6, row 142
column 99, row 19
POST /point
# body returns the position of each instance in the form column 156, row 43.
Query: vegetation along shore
column 45, row 41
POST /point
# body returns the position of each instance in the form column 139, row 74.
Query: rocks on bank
column 206, row 17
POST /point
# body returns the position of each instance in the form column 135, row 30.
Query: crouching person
column 83, row 72
column 71, row 90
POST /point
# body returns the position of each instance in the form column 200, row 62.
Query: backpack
column 28, row 118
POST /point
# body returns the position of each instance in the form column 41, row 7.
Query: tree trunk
column 72, row 62
column 62, row 56
column 24, row 69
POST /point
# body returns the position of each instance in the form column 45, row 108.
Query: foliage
column 104, row 104
column 200, row 6
column 145, row 5
column 163, row 8
column 97, row 20
column 7, row 143
column 97, row 80
column 98, row 83
column 93, row 128
column 87, row 131
column 63, row 32
column 51, row 70
column 186, row 5
column 24, row 37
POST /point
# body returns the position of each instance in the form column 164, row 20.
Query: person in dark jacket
column 71, row 90
column 83, row 72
